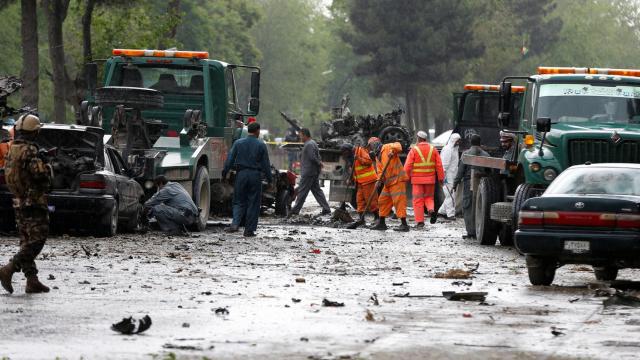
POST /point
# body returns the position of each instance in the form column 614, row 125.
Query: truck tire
column 487, row 194
column 541, row 270
column 506, row 235
column 108, row 225
column 138, row 98
column 392, row 134
column 605, row 273
column 202, row 197
column 523, row 193
column 283, row 202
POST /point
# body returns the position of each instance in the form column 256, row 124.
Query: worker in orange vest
column 4, row 147
column 364, row 175
column 393, row 182
column 422, row 164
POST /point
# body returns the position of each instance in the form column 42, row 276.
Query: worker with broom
column 364, row 175
column 393, row 179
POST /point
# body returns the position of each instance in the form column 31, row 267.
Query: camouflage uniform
column 28, row 178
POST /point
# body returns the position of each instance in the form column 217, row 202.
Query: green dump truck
column 176, row 113
column 568, row 116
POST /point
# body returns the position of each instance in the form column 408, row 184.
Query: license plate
column 576, row 246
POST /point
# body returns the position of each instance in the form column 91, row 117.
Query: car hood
column 594, row 130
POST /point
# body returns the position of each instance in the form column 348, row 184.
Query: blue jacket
column 248, row 153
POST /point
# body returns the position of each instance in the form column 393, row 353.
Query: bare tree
column 56, row 12
column 30, row 62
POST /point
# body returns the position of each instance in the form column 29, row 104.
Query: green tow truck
column 568, row 116
column 176, row 113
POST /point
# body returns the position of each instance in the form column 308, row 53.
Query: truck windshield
column 166, row 79
column 580, row 103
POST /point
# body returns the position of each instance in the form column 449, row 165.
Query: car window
column 597, row 180
column 118, row 165
column 107, row 163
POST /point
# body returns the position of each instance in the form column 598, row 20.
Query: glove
column 372, row 155
column 391, row 153
column 378, row 186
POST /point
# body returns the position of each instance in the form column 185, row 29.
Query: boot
column 6, row 273
column 379, row 224
column 404, row 227
column 376, row 216
column 420, row 225
column 34, row 285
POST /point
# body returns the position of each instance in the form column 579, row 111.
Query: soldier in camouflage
column 28, row 178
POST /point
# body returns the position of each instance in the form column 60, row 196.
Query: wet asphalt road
column 273, row 287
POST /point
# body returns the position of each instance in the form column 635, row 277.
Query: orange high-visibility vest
column 426, row 166
column 395, row 171
column 4, row 150
column 363, row 172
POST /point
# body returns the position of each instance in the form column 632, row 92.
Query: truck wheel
column 138, row 98
column 523, row 193
column 605, row 273
column 392, row 134
column 487, row 194
column 283, row 203
column 506, row 235
column 541, row 270
column 202, row 197
column 108, row 226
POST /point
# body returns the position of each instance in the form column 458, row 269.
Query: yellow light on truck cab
column 529, row 140
column 550, row 70
column 161, row 53
column 482, row 87
column 618, row 72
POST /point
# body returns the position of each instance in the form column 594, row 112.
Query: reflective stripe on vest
column 426, row 166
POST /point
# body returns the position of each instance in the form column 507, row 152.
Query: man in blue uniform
column 172, row 206
column 250, row 160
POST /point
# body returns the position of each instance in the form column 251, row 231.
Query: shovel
column 354, row 225
column 341, row 213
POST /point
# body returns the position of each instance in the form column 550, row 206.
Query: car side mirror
column 504, row 116
column 543, row 124
column 254, row 101
column 91, row 74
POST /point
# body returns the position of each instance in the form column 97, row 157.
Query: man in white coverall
column 450, row 158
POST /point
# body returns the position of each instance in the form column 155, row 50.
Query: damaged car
column 91, row 189
column 589, row 215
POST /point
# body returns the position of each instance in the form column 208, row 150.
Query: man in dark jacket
column 250, row 159
column 310, row 174
column 464, row 173
column 172, row 207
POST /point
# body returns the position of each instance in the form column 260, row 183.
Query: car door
column 127, row 199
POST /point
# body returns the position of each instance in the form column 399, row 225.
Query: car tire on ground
column 108, row 225
column 132, row 223
column 283, row 202
column 487, row 194
column 202, row 197
column 605, row 273
column 541, row 270
column 138, row 98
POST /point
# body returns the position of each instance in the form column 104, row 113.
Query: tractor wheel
column 392, row 134
column 487, row 194
column 138, row 98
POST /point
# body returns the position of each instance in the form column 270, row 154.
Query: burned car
column 91, row 189
column 589, row 215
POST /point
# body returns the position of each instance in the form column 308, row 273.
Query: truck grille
column 600, row 151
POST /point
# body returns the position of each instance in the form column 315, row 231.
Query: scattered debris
column 315, row 251
column 295, row 301
column 181, row 347
column 369, row 316
column 556, row 331
column 467, row 315
column 301, row 280
column 374, row 299
column 86, row 251
column 623, row 299
column 408, row 295
column 462, row 283
column 205, row 293
column 616, row 343
column 484, row 346
column 221, row 311
column 128, row 325
column 186, row 325
column 400, row 283
column 51, row 277
column 330, row 303
column 454, row 274
column 465, row 296
column 572, row 300
column 304, row 339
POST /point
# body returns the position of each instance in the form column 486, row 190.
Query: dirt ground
column 273, row 287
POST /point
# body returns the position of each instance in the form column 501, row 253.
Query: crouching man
column 172, row 207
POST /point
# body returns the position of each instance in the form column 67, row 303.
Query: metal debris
column 129, row 326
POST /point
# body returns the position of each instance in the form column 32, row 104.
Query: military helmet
column 28, row 122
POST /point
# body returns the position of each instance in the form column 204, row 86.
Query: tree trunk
column 173, row 9
column 423, row 98
column 30, row 63
column 56, row 11
column 411, row 103
column 87, row 17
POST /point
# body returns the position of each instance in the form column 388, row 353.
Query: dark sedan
column 91, row 189
column 589, row 215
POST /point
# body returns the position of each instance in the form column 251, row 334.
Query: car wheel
column 487, row 194
column 283, row 203
column 541, row 270
column 202, row 197
column 108, row 226
column 132, row 223
column 606, row 273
